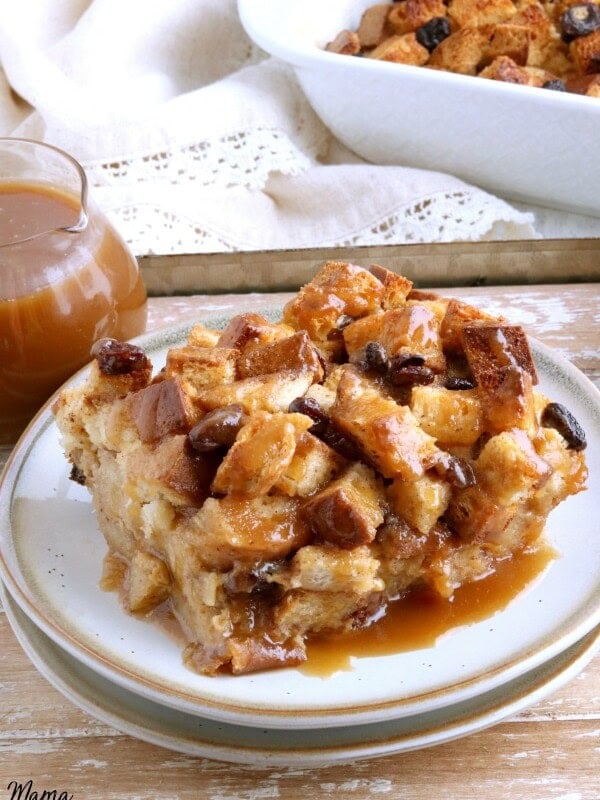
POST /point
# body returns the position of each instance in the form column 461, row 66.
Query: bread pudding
column 279, row 480
column 544, row 43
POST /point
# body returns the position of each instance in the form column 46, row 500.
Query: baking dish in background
column 524, row 143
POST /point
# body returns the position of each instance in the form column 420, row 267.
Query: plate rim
column 261, row 715
column 312, row 756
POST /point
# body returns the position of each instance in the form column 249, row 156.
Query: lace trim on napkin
column 449, row 216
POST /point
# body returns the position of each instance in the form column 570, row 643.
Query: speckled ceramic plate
column 264, row 747
column 51, row 558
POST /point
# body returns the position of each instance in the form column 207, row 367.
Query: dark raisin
column 454, row 383
column 310, row 407
column 411, row 360
column 118, row 358
column 555, row 85
column 338, row 442
column 376, row 357
column 457, row 471
column 217, row 430
column 411, row 376
column 580, row 20
column 77, row 475
column 560, row 418
column 433, row 32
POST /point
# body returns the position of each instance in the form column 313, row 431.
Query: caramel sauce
column 59, row 292
column 419, row 619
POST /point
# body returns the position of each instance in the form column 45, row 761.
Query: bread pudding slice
column 275, row 481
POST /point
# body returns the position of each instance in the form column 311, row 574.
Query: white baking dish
column 528, row 144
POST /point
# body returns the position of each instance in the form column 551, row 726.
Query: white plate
column 264, row 748
column 480, row 130
column 51, row 555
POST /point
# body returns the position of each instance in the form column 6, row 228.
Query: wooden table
column 549, row 752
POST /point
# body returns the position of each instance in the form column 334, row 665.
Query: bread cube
column 148, row 584
column 454, row 417
column 250, row 330
column 401, row 49
column 387, row 433
column 475, row 516
column 585, row 52
column 395, row 287
column 301, row 610
column 504, row 69
column 201, row 336
column 420, row 502
column 373, row 25
column 295, row 353
column 261, row 453
column 473, row 13
column 237, row 528
column 463, row 51
column 161, row 409
column 312, row 466
column 325, row 568
column 261, row 393
column 406, row 17
column 346, row 43
column 569, row 471
column 509, row 469
column 510, row 40
column 201, row 367
column 457, row 316
column 251, row 654
column 348, row 511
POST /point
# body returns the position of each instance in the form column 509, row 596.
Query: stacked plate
column 129, row 672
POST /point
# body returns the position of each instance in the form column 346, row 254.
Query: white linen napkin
column 195, row 141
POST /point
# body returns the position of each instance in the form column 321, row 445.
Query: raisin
column 454, row 383
column 118, row 358
column 433, row 32
column 457, row 471
column 580, row 20
column 411, row 375
column 376, row 357
column 338, row 442
column 217, row 430
column 560, row 418
column 310, row 408
column 555, row 85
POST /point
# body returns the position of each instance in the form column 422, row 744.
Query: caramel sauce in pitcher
column 59, row 292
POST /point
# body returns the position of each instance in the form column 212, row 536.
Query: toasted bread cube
column 509, row 469
column 267, row 393
column 295, row 353
column 489, row 348
column 348, row 511
column 475, row 516
column 458, row 315
column 346, row 43
column 161, row 409
column 401, row 49
column 302, row 611
column 250, row 330
column 406, row 17
column 149, row 582
column 251, row 654
column 201, row 336
column 238, row 528
column 504, row 69
column 437, row 307
column 451, row 417
column 387, row 433
column 585, row 52
column 337, row 289
column 324, row 396
column 453, row 567
column 373, row 25
column 420, row 502
column 509, row 39
column 588, row 85
column 201, row 367
column 261, row 453
column 102, row 388
column 313, row 465
column 169, row 471
column 473, row 13
column 569, row 471
column 395, row 287
column 410, row 330
column 325, row 568
column 463, row 52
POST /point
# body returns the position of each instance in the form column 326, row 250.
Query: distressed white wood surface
column 549, row 752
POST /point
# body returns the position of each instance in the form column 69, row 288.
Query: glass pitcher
column 66, row 278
